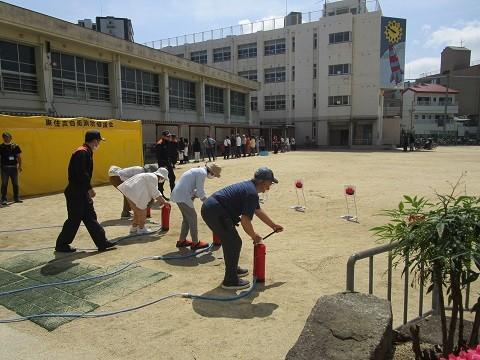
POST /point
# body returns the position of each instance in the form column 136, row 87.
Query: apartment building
column 320, row 73
column 53, row 67
column 429, row 109
column 118, row 27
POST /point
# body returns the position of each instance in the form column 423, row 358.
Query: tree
column 441, row 242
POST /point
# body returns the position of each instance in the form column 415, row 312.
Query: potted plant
column 440, row 240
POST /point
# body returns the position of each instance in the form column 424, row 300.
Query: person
column 196, row 149
column 226, row 148
column 163, row 160
column 185, row 151
column 257, row 145
column 411, row 141
column 238, row 145
column 11, row 165
column 140, row 190
column 261, row 143
column 287, row 144
column 404, row 139
column 117, row 175
column 189, row 187
column 173, row 150
column 282, row 145
column 252, row 146
column 181, row 150
column 293, row 144
column 79, row 196
column 275, row 144
column 210, row 147
column 234, row 204
column 244, row 145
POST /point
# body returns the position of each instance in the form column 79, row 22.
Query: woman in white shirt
column 117, row 175
column 189, row 187
column 139, row 190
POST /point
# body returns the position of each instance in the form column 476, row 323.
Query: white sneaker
column 133, row 229
column 144, row 231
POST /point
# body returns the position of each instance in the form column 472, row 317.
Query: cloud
column 468, row 33
column 414, row 68
column 426, row 28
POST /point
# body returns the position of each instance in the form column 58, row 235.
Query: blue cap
column 265, row 173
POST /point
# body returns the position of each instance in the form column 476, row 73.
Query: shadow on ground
column 238, row 309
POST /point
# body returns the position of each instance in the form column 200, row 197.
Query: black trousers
column 210, row 153
column 9, row 172
column 217, row 219
column 80, row 208
column 226, row 152
column 171, row 174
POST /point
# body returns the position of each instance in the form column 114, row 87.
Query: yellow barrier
column 47, row 144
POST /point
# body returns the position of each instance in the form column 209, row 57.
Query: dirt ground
column 304, row 262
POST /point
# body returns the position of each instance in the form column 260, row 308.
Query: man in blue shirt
column 237, row 203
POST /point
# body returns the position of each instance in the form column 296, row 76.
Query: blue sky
column 431, row 24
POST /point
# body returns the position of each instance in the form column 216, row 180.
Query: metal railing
column 370, row 253
column 244, row 28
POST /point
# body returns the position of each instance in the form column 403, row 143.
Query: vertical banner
column 392, row 52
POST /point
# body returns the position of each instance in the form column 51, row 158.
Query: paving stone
column 6, row 277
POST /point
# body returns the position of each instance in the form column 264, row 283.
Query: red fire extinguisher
column 216, row 240
column 259, row 251
column 166, row 217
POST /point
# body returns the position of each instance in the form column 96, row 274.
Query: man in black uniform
column 79, row 195
column 163, row 158
column 11, row 163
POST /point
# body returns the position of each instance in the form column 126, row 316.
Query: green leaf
column 400, row 206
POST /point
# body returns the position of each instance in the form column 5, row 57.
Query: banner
column 392, row 52
column 47, row 144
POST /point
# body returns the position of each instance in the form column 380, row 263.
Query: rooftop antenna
column 101, row 8
column 461, row 42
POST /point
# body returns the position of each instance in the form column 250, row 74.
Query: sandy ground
column 306, row 261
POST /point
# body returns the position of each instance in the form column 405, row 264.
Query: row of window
column 278, row 74
column 427, row 100
column 278, row 102
column 271, row 47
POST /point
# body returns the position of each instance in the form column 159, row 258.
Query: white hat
column 162, row 172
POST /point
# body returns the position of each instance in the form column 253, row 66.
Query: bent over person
column 79, row 195
column 235, row 204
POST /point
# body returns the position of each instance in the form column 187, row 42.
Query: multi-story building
column 49, row 66
column 456, row 71
column 320, row 73
column 429, row 109
column 118, row 27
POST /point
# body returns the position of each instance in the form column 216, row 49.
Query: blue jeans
column 12, row 173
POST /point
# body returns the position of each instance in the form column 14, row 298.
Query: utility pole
column 446, row 102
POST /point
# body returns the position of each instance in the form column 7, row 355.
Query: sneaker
column 107, row 245
column 133, row 229
column 65, row 249
column 241, row 272
column 144, row 231
column 184, row 243
column 239, row 285
column 199, row 245
column 4, row 202
column 126, row 215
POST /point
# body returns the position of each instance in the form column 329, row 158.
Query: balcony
column 425, row 107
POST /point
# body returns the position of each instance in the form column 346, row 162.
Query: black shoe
column 241, row 272
column 65, row 249
column 240, row 284
column 106, row 246
column 18, row 201
column 4, row 202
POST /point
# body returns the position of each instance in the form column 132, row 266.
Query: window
column 237, row 103
column 353, row 11
column 180, row 55
column 248, row 74
column 441, row 100
column 423, row 100
column 416, row 117
column 293, row 73
column 214, row 99
column 17, row 68
column 254, row 103
column 340, row 69
column 274, row 47
column 341, row 100
column 221, row 54
column 314, row 71
column 77, row 77
column 275, row 75
column 344, row 10
column 199, row 56
column 139, row 87
column 293, row 43
column 247, row 51
column 293, row 102
column 314, row 100
column 315, row 40
column 339, row 37
column 276, row 102
column 181, row 94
